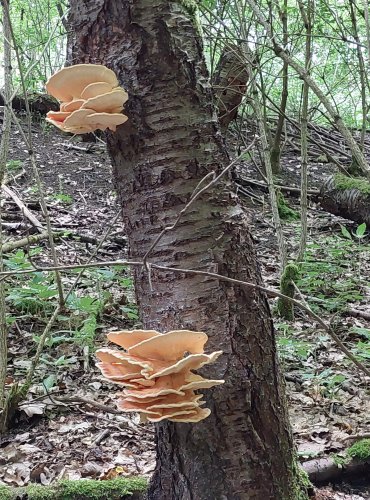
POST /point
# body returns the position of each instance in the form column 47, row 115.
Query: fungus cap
column 170, row 413
column 129, row 338
column 57, row 116
column 72, row 105
column 118, row 371
column 195, row 382
column 107, row 102
column 112, row 356
column 103, row 121
column 192, row 362
column 170, row 384
column 95, row 89
column 188, row 400
column 68, row 83
column 170, row 346
column 196, row 415
column 77, row 119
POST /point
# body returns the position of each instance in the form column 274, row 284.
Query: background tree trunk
column 244, row 449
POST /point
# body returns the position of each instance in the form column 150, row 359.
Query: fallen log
column 38, row 103
column 328, row 470
column 347, row 197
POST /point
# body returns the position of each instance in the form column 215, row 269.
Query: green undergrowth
column 360, row 449
column 115, row 489
column 332, row 278
column 103, row 295
column 331, row 274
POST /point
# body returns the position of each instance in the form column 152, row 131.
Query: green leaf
column 360, row 231
column 49, row 382
column 345, row 232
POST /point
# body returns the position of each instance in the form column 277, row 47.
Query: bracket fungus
column 90, row 96
column 155, row 370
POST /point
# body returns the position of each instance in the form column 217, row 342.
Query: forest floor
column 61, row 432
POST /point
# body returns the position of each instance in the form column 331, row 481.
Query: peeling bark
column 244, row 449
column 230, row 84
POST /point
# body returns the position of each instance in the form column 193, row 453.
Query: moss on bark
column 85, row 489
column 285, row 212
column 360, row 450
column 343, row 182
column 285, row 306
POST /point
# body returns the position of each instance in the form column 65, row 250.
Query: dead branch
column 23, row 242
column 325, row 470
column 243, row 180
column 27, row 213
column 359, row 314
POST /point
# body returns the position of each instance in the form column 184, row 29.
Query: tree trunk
column 244, row 449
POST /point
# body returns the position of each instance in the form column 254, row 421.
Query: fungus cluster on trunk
column 90, row 97
column 158, row 375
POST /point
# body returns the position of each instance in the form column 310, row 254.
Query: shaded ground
column 59, row 438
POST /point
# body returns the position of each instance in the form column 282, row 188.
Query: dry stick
column 31, row 153
column 198, row 191
column 26, row 212
column 28, row 240
column 4, row 148
column 263, row 185
column 256, row 105
column 31, row 371
column 355, row 437
column 71, row 267
column 359, row 314
column 87, row 401
column 277, row 148
column 283, row 54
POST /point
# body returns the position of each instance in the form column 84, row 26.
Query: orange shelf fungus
column 156, row 371
column 90, row 99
